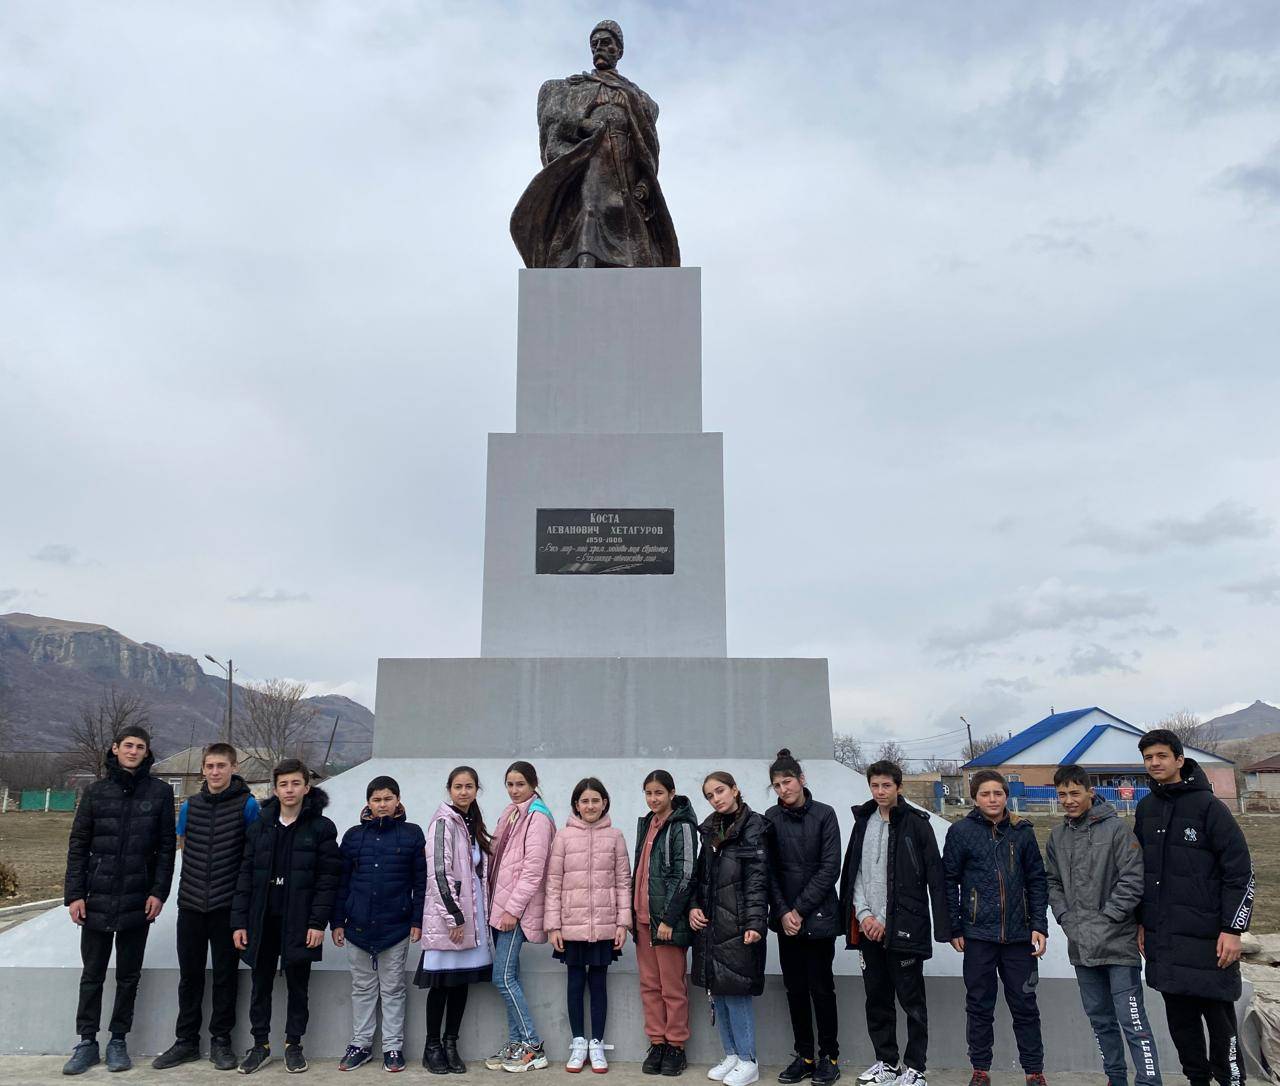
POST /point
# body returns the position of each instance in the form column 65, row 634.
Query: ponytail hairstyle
column 785, row 765
column 590, row 784
column 526, row 770
column 662, row 777
column 473, row 818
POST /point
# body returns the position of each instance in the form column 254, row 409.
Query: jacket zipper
column 973, row 897
column 1000, row 880
column 591, row 868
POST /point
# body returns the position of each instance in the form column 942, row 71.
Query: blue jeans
column 506, row 978
column 736, row 1021
column 1112, row 998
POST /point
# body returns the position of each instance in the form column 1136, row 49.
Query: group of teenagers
column 451, row 904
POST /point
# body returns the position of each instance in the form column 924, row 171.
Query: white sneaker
column 745, row 1073
column 598, row 1063
column 577, row 1055
column 911, row 1077
column 717, row 1073
column 880, row 1074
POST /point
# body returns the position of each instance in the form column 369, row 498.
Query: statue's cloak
column 598, row 190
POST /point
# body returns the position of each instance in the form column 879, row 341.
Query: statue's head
column 606, row 44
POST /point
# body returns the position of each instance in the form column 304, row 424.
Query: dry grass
column 34, row 844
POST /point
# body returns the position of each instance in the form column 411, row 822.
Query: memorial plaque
column 606, row 541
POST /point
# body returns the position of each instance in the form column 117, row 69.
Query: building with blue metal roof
column 1093, row 738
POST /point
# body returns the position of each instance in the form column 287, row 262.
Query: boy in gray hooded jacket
column 1094, row 865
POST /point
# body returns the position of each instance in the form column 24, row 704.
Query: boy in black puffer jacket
column 284, row 899
column 211, row 827
column 1197, row 902
column 119, row 869
column 998, row 899
column 377, row 915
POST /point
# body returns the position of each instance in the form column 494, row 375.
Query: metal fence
column 38, row 799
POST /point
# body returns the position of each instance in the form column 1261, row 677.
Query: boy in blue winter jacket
column 997, row 897
column 377, row 914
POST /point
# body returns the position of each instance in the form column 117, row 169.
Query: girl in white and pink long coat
column 588, row 913
column 455, row 933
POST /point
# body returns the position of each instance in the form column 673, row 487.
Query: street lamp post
column 229, row 669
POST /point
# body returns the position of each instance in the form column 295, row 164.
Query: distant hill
column 1256, row 719
column 50, row 668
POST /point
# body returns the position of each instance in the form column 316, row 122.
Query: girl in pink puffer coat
column 588, row 913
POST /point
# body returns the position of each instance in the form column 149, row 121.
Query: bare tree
column 98, row 726
column 848, row 751
column 1193, row 731
column 983, row 744
column 25, row 770
column 891, row 751
column 946, row 766
column 276, row 719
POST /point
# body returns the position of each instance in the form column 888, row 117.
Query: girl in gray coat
column 1094, row 866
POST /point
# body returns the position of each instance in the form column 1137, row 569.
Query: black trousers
column 806, row 975
column 887, row 976
column 297, row 976
column 200, row 936
column 1019, row 974
column 1188, row 1017
column 95, row 953
column 446, row 1006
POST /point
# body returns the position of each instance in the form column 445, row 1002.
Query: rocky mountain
column 1253, row 720
column 51, row 668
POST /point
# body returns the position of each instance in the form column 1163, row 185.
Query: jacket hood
column 534, row 804
column 117, row 772
column 448, row 810
column 601, row 823
column 313, row 804
column 397, row 815
column 1194, row 779
column 1011, row 820
column 236, row 787
column 1101, row 810
column 681, row 811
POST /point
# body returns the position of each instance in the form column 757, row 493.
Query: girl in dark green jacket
column 666, row 852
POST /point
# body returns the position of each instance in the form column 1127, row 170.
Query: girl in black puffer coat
column 803, row 871
column 729, row 918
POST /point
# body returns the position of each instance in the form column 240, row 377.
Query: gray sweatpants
column 367, row 984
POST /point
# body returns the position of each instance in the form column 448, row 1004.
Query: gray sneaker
column 495, row 1062
column 118, row 1055
column 83, row 1056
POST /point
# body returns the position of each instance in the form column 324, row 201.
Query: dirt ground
column 36, row 845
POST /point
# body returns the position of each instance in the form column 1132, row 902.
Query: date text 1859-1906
column 606, row 541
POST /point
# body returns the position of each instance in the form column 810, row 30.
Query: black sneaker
column 221, row 1054
column 797, row 1070
column 354, row 1057
column 257, row 1056
column 83, row 1056
column 653, row 1059
column 674, row 1061
column 294, row 1061
column 393, row 1060
column 825, row 1071
column 177, row 1053
column 118, row 1055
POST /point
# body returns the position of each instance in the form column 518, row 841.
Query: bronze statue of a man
column 596, row 202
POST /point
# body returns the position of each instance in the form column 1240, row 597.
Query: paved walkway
column 30, row 1070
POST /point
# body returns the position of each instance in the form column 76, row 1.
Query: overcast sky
column 991, row 326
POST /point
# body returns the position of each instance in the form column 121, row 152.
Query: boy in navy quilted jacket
column 998, row 899
column 377, row 914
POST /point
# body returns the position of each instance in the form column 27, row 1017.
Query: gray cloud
column 275, row 596
column 1260, row 590
column 60, row 554
column 1257, row 182
column 1051, row 605
column 1020, row 685
column 1095, row 659
column 1225, row 522
column 7, row 595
